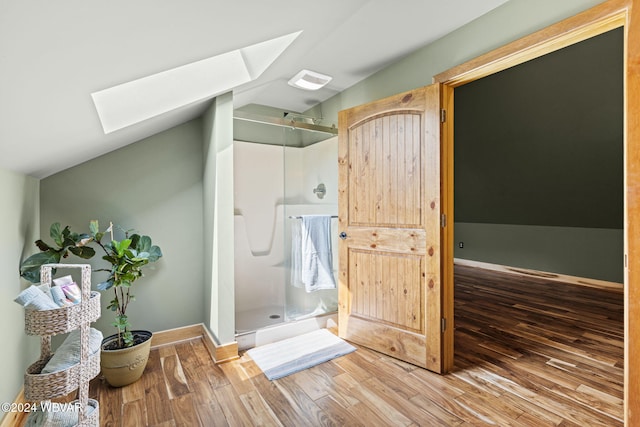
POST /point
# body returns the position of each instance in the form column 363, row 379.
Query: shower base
column 283, row 330
column 251, row 320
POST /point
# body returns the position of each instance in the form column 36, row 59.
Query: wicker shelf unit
column 46, row 323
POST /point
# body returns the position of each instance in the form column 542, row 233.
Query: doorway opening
column 537, row 148
column 539, row 163
column 596, row 21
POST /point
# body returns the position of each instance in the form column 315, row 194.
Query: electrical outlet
column 461, row 245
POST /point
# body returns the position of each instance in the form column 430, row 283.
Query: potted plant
column 124, row 355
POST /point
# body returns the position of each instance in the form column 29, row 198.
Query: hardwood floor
column 528, row 353
column 553, row 352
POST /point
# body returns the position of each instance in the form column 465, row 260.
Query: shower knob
column 343, row 235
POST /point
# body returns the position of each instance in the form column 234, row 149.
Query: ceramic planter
column 125, row 366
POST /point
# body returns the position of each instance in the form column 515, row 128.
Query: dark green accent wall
column 541, row 143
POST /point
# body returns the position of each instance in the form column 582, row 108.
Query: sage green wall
column 155, row 187
column 592, row 253
column 218, row 219
column 20, row 228
column 540, row 146
column 512, row 20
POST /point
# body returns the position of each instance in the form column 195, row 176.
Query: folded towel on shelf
column 46, row 289
column 311, row 253
column 54, row 414
column 43, row 418
column 68, row 354
column 72, row 292
column 32, row 297
column 59, row 297
column 64, row 280
column 65, row 291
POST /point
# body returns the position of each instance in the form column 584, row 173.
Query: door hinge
column 444, row 325
column 443, row 220
column 443, row 116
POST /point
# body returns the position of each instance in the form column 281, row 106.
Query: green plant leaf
column 84, row 252
column 127, row 337
column 122, row 321
column 55, row 233
column 144, row 244
column 42, row 245
column 121, row 246
column 69, row 240
column 94, row 227
column 154, row 253
column 66, row 236
column 30, row 268
column 135, row 240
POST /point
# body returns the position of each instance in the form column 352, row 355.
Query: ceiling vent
column 309, row 80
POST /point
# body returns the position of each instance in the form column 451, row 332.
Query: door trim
column 592, row 22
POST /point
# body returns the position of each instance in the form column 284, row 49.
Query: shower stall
column 284, row 168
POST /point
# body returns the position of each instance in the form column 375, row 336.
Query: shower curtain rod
column 256, row 118
column 300, row 216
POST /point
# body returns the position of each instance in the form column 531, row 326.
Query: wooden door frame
column 597, row 20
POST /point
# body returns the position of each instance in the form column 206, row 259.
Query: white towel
column 68, row 354
column 33, row 297
column 311, row 255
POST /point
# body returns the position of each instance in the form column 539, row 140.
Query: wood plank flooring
column 528, row 353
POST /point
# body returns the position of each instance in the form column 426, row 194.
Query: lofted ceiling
column 55, row 54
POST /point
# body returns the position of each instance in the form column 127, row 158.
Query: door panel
column 387, row 288
column 385, row 154
column 389, row 208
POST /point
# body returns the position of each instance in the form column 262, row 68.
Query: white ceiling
column 54, row 54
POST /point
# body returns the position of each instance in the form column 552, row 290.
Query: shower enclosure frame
column 296, row 121
column 289, row 122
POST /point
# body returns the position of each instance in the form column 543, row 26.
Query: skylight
column 132, row 102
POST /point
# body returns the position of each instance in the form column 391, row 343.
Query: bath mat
column 291, row 355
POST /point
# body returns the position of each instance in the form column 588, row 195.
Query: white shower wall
column 269, row 185
column 309, row 166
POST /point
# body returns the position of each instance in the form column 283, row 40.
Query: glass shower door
column 310, row 188
column 277, row 166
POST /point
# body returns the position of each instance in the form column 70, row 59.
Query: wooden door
column 390, row 218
